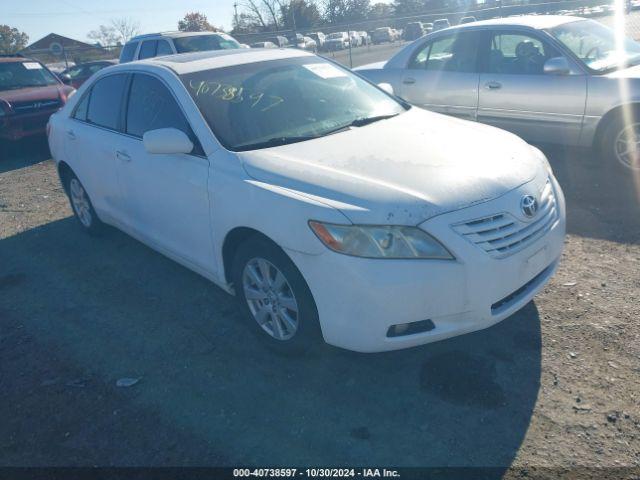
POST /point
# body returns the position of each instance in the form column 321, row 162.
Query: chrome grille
column 34, row 106
column 502, row 234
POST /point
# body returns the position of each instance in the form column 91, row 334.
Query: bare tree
column 104, row 35
column 270, row 5
column 255, row 11
column 126, row 28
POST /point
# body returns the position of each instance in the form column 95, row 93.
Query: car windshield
column 202, row 43
column 15, row 75
column 276, row 102
column 595, row 45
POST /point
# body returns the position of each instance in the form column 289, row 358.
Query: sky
column 76, row 18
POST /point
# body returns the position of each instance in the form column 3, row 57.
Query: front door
column 166, row 196
column 516, row 94
column 443, row 75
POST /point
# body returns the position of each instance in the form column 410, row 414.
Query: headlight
column 380, row 241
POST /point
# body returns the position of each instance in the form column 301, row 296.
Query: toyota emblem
column 529, row 206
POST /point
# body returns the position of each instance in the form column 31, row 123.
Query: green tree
column 407, row 7
column 358, row 10
column 12, row 40
column 302, row 14
column 380, row 10
column 335, row 11
column 195, row 22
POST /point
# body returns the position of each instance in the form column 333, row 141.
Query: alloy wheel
column 270, row 299
column 80, row 202
column 627, row 146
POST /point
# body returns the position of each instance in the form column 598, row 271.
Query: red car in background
column 29, row 94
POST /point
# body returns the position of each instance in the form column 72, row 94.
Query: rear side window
column 128, row 52
column 105, row 100
column 81, row 110
column 148, row 49
column 151, row 106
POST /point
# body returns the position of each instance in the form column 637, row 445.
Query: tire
column 81, row 205
column 612, row 142
column 270, row 307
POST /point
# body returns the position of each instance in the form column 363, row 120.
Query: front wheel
column 620, row 141
column 274, row 297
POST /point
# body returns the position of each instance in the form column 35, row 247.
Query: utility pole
column 293, row 21
column 349, row 35
column 235, row 15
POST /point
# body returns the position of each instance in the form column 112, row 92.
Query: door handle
column 409, row 81
column 71, row 135
column 124, row 156
column 492, row 85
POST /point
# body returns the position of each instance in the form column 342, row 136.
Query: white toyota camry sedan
column 327, row 206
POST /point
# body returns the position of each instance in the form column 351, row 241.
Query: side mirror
column 557, row 66
column 387, row 87
column 168, row 141
column 66, row 78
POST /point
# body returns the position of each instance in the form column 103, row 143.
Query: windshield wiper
column 275, row 142
column 278, row 141
column 362, row 121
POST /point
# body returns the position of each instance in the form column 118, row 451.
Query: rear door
column 90, row 138
column 516, row 94
column 166, row 196
column 443, row 75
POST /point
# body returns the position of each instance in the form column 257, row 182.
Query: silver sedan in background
column 549, row 79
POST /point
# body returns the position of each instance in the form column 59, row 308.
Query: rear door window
column 105, row 101
column 148, row 49
column 452, row 53
column 163, row 48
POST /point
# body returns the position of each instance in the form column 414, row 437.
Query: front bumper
column 15, row 127
column 359, row 299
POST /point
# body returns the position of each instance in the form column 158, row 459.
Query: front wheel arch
column 613, row 115
column 65, row 172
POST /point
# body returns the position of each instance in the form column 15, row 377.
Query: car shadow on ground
column 603, row 198
column 81, row 312
column 23, row 153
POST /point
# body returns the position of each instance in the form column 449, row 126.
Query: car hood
column 371, row 66
column 631, row 72
column 32, row 94
column 403, row 170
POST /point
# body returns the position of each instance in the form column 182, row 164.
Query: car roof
column 196, row 61
column 15, row 59
column 173, row 34
column 538, row 22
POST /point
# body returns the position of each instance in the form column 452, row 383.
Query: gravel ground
column 555, row 385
